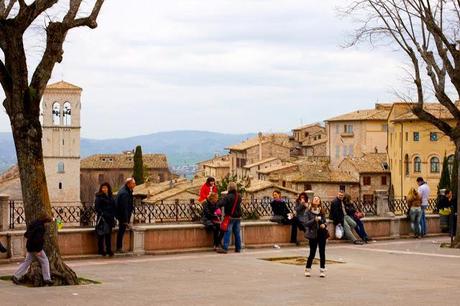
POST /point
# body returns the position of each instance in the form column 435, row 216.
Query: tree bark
column 456, row 243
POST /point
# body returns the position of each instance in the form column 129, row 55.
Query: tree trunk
column 456, row 243
column 27, row 134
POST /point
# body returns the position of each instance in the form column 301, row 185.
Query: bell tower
column 61, row 107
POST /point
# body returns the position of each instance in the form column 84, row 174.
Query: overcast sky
column 232, row 66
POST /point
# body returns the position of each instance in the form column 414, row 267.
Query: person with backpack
column 35, row 235
column 232, row 219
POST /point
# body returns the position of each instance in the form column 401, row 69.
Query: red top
column 205, row 191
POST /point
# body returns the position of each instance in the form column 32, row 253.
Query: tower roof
column 62, row 85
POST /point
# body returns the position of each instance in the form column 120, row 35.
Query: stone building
column 218, row 167
column 416, row 148
column 116, row 168
column 371, row 170
column 251, row 171
column 257, row 149
column 277, row 172
column 263, row 191
column 170, row 192
column 309, row 140
column 356, row 133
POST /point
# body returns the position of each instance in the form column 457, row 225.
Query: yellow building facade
column 416, row 148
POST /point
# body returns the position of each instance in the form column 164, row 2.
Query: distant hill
column 183, row 148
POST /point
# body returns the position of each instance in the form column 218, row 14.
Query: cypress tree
column 444, row 181
column 138, row 168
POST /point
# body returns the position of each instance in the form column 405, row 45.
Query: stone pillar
column 382, row 204
column 16, row 245
column 395, row 225
column 4, row 215
column 137, row 241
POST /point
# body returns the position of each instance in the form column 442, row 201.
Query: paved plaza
column 402, row 272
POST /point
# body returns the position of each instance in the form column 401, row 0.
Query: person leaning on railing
column 415, row 211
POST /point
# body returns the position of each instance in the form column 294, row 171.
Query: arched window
column 67, row 114
column 406, row 165
column 450, row 163
column 417, row 164
column 434, row 165
column 60, row 167
column 56, row 113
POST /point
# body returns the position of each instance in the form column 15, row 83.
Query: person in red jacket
column 207, row 189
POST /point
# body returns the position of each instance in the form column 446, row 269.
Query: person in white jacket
column 424, row 192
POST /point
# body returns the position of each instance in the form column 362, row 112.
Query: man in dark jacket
column 339, row 216
column 125, row 207
column 232, row 207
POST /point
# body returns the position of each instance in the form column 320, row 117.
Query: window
column 406, row 165
column 433, row 136
column 348, row 128
column 407, row 136
column 434, row 165
column 284, row 183
column 366, row 180
column 67, row 114
column 307, row 187
column 342, row 188
column 416, row 136
column 60, row 185
column 384, row 180
column 306, row 134
column 56, row 112
column 417, row 164
column 319, row 136
column 60, row 167
column 450, row 163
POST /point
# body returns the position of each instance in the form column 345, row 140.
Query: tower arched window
column 434, row 165
column 67, row 114
column 60, row 167
column 56, row 113
column 417, row 164
column 406, row 165
column 450, row 163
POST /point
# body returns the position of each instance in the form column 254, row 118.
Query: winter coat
column 279, row 208
column 105, row 208
column 124, row 204
column 35, row 235
column 312, row 227
column 210, row 217
column 227, row 203
column 300, row 211
column 205, row 191
column 336, row 214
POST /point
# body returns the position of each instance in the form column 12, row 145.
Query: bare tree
column 428, row 34
column 23, row 94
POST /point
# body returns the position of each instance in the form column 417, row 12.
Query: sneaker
column 222, row 251
column 358, row 242
column 16, row 280
column 322, row 273
column 307, row 272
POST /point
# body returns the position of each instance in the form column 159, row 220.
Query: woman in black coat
column 211, row 219
column 105, row 209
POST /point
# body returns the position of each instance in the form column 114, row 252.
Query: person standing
column 207, row 188
column 232, row 207
column 125, row 206
column 415, row 212
column 424, row 192
column 35, row 235
column 105, row 209
column 211, row 219
column 339, row 216
column 317, row 234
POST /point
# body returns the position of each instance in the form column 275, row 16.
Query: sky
column 231, row 66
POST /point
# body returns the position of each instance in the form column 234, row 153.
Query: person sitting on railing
column 444, row 207
column 282, row 215
column 339, row 215
column 2, row 248
column 357, row 216
column 207, row 188
column 415, row 212
column 105, row 209
column 212, row 218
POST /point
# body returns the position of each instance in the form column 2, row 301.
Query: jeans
column 42, row 259
column 360, row 229
column 348, row 225
column 233, row 227
column 121, row 232
column 314, row 243
column 415, row 215
column 107, row 238
column 423, row 222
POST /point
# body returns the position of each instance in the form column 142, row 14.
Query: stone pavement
column 402, row 272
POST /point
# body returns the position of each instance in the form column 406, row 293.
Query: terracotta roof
column 192, row 187
column 277, row 139
column 62, row 85
column 277, row 168
column 123, row 161
column 368, row 163
column 320, row 173
column 314, row 126
column 218, row 157
column 151, row 189
column 218, row 164
column 257, row 185
column 436, row 109
column 308, row 143
column 363, row 115
column 264, row 161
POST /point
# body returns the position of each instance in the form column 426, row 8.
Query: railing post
column 4, row 215
column 176, row 202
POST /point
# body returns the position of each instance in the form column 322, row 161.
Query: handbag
column 102, row 227
column 358, row 215
column 339, row 231
column 224, row 224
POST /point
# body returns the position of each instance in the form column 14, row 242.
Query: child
column 317, row 234
column 35, row 240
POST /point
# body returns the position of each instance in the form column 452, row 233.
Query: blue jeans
column 415, row 218
column 233, row 227
column 423, row 222
column 360, row 229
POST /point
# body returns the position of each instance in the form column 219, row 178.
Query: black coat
column 227, row 203
column 336, row 214
column 279, row 208
column 312, row 227
column 209, row 217
column 105, row 208
column 35, row 235
column 125, row 204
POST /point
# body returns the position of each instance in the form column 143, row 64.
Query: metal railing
column 400, row 206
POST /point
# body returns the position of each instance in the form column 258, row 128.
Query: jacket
column 300, row 211
column 312, row 227
column 205, row 191
column 124, row 204
column 35, row 235
column 336, row 214
column 416, row 202
column 279, row 208
column 227, row 203
column 105, row 207
column 210, row 217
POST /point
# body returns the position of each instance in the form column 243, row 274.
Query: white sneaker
column 307, row 272
column 322, row 273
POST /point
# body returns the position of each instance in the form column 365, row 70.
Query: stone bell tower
column 61, row 142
